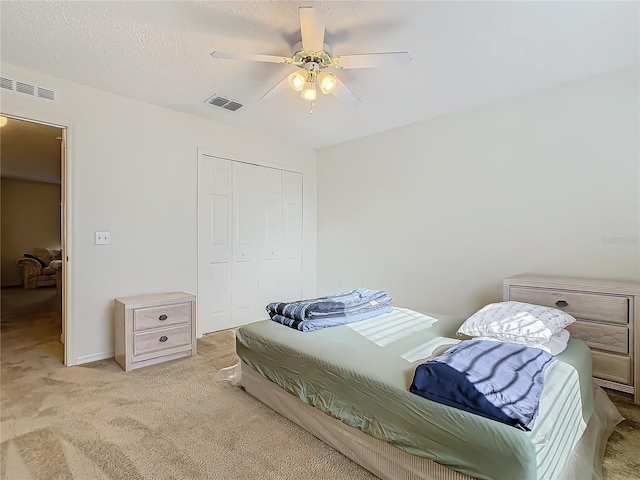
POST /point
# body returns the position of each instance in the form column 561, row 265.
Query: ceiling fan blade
column 251, row 56
column 374, row 60
column 281, row 87
column 344, row 94
column 312, row 28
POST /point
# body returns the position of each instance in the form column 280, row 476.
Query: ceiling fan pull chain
column 313, row 104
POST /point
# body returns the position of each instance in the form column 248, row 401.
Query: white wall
column 134, row 174
column 440, row 212
column 30, row 219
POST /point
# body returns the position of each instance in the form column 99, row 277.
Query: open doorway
column 32, row 160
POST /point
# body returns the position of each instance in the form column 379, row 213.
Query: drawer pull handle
column 164, row 338
column 162, row 317
column 561, row 303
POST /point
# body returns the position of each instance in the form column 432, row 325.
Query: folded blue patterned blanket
column 340, row 303
column 500, row 381
column 333, row 321
column 332, row 310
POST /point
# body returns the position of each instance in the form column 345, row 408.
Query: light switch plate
column 103, row 238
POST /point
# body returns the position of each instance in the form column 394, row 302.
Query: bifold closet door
column 249, row 241
column 214, row 244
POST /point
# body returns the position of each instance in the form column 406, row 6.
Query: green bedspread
column 360, row 375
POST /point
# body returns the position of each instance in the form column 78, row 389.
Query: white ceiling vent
column 223, row 102
column 27, row 89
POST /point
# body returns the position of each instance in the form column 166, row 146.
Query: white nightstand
column 150, row 329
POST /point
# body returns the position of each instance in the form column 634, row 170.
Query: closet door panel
column 214, row 244
column 220, row 295
column 248, row 220
column 291, row 236
column 270, row 266
column 244, row 294
column 247, row 217
column 219, row 233
column 271, row 240
column 270, row 287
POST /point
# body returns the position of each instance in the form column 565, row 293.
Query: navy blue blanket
column 500, row 381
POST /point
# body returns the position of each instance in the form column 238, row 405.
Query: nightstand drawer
column 615, row 368
column 161, row 339
column 611, row 338
column 591, row 306
column 163, row 316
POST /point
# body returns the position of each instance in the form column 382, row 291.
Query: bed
column 348, row 385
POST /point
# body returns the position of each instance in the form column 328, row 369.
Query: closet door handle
column 561, row 303
column 162, row 317
column 163, row 338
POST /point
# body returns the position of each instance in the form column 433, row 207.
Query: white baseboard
column 94, row 358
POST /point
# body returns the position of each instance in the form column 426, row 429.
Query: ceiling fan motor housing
column 312, row 61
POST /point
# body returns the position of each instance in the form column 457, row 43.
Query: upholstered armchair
column 39, row 268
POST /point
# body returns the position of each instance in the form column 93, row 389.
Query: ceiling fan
column 312, row 56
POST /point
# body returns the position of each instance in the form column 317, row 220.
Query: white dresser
column 150, row 329
column 608, row 317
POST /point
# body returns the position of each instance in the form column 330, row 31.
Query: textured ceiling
column 464, row 54
column 30, row 151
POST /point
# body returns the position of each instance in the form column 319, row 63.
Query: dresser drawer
column 591, row 306
column 163, row 316
column 615, row 368
column 161, row 339
column 611, row 338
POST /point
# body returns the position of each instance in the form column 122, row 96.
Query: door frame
column 66, row 199
column 236, row 158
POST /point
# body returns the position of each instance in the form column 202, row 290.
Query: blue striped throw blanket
column 332, row 310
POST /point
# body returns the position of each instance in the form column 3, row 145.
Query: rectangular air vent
column 24, row 88
column 233, row 106
column 6, row 83
column 223, row 102
column 46, row 94
column 218, row 101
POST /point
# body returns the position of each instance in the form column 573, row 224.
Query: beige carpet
column 169, row 421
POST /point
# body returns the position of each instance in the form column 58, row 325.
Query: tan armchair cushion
column 43, row 254
column 35, row 258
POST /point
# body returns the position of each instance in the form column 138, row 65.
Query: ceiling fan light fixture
column 312, row 55
column 327, row 82
column 296, row 80
column 308, row 91
column 3, row 121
